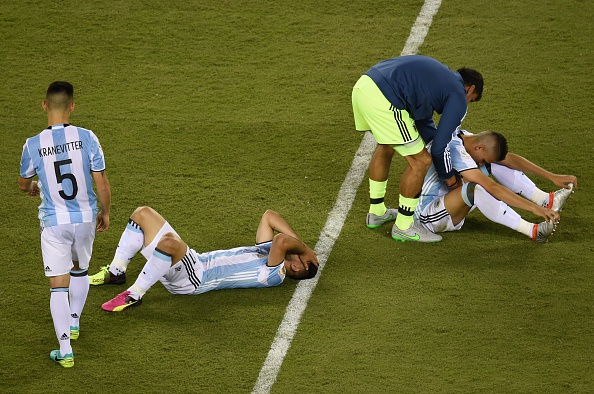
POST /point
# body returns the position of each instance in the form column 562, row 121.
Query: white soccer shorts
column 147, row 251
column 435, row 218
column 64, row 243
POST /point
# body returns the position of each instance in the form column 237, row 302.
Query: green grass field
column 213, row 111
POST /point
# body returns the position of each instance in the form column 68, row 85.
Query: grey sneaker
column 374, row 221
column 560, row 197
column 415, row 233
column 542, row 231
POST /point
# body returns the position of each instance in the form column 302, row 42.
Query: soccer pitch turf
column 213, row 112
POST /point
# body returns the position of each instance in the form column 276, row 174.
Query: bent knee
column 146, row 216
column 171, row 243
column 142, row 213
column 468, row 191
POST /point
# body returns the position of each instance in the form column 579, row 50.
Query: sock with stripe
column 79, row 290
column 519, row 183
column 152, row 271
column 131, row 242
column 377, row 192
column 60, row 309
column 406, row 209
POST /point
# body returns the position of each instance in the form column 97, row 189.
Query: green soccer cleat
column 67, row 361
column 105, row 277
column 74, row 332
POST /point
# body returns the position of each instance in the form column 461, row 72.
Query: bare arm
column 104, row 195
column 284, row 244
column 29, row 186
column 270, row 223
column 520, row 163
column 504, row 194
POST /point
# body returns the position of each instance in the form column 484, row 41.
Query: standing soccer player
column 395, row 100
column 66, row 159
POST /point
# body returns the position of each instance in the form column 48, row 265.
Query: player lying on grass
column 474, row 157
column 182, row 270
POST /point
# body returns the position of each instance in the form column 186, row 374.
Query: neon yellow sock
column 377, row 192
column 406, row 208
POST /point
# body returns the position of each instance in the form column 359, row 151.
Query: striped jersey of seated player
column 475, row 159
column 277, row 253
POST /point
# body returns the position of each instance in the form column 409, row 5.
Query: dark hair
column 59, row 95
column 502, row 143
column 472, row 77
column 311, row 271
column 305, row 274
column 61, row 87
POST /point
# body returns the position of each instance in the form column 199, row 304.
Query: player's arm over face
column 270, row 223
column 286, row 241
column 284, row 244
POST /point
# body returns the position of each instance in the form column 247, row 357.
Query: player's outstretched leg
column 499, row 212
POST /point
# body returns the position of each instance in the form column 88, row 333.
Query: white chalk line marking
column 334, row 223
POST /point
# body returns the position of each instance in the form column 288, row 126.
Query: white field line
column 336, row 218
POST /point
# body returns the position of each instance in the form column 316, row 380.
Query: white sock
column 131, row 242
column 519, row 183
column 525, row 228
column 497, row 211
column 79, row 289
column 118, row 266
column 541, row 198
column 153, row 270
column 60, row 310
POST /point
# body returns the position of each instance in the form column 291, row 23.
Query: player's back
column 416, row 83
column 63, row 156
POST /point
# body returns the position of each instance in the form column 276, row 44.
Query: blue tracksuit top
column 422, row 85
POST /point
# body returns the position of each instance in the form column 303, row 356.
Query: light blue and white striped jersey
column 433, row 186
column 242, row 267
column 63, row 156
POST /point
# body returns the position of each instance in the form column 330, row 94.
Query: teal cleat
column 67, row 361
column 74, row 332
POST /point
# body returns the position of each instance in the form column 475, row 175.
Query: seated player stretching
column 475, row 157
column 182, row 270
